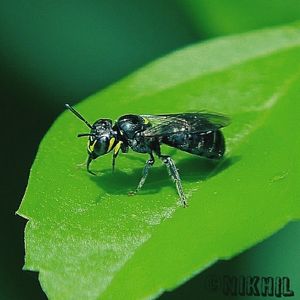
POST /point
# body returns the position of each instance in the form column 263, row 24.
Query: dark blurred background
column 53, row 52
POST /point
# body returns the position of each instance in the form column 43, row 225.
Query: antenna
column 78, row 115
column 86, row 134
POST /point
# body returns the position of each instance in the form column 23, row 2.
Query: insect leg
column 114, row 161
column 146, row 169
column 116, row 152
column 89, row 160
column 168, row 161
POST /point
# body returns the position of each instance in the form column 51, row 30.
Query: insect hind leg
column 145, row 173
column 173, row 172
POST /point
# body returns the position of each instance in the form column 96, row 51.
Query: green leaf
column 88, row 239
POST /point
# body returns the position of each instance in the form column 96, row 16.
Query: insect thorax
column 130, row 125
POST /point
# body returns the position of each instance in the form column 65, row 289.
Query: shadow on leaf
column 191, row 169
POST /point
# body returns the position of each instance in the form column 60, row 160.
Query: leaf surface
column 89, row 239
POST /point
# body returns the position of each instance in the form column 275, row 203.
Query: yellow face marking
column 146, row 121
column 92, row 146
column 117, row 148
column 111, row 143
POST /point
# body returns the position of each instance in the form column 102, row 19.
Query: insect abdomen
column 210, row 144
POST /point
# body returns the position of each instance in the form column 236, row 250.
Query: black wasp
column 197, row 133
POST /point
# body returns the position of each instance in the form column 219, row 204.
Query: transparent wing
column 199, row 122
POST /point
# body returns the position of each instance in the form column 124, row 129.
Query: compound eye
column 99, row 146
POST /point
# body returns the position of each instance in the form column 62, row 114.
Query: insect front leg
column 116, row 152
column 88, row 163
column 146, row 169
column 168, row 161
